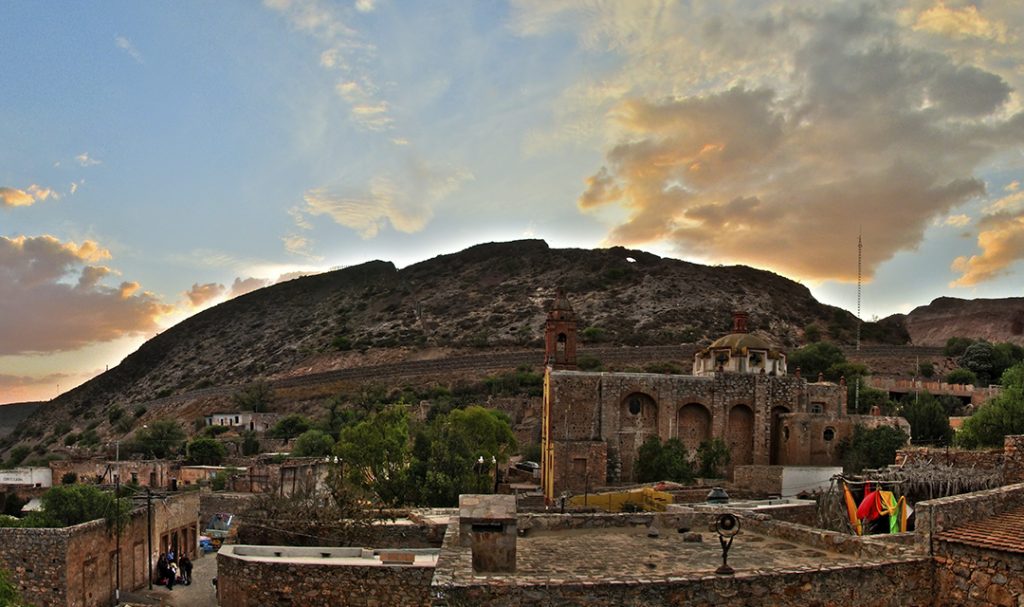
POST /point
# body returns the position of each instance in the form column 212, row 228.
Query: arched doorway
column 693, row 425
column 777, row 439
column 740, row 435
column 638, row 421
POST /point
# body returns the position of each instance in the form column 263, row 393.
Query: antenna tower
column 860, row 250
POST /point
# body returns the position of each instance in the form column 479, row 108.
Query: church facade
column 740, row 391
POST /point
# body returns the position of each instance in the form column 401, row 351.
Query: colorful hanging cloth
column 851, row 510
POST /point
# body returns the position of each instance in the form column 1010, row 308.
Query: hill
column 996, row 320
column 490, row 297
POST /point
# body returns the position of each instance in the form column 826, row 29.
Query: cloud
column 201, row 294
column 75, row 185
column 345, row 53
column 831, row 121
column 404, row 202
column 247, row 285
column 85, row 160
column 1001, row 240
column 52, row 298
column 1013, row 186
column 26, row 388
column 957, row 221
column 13, row 197
column 126, row 45
column 1010, row 202
column 965, row 22
column 300, row 245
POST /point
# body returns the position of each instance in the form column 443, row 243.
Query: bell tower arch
column 560, row 334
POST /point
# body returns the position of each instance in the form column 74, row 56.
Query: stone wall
column 765, row 480
column 34, row 558
column 247, row 582
column 580, row 466
column 211, row 503
column 894, row 583
column 934, row 516
column 965, row 575
column 1013, row 454
column 986, row 459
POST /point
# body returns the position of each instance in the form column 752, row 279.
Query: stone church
column 740, row 391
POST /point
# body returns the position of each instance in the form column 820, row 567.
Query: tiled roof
column 1001, row 532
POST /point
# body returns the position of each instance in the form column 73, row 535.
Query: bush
column 159, row 439
column 206, row 452
column 713, row 456
column 1001, row 416
column 212, row 431
column 955, row 346
column 593, row 335
column 663, row 462
column 589, row 363
column 18, row 455
column 874, row 448
column 313, row 443
column 250, row 443
column 257, row 398
column 814, row 359
column 70, row 439
column 124, row 425
column 664, row 368
column 962, row 376
column 139, row 411
column 291, row 426
column 114, row 414
column 812, row 333
column 69, row 478
column 926, row 369
column 929, row 421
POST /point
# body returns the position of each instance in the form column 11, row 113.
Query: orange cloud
column 52, row 297
column 863, row 133
column 965, row 22
column 1001, row 240
column 201, row 294
column 13, row 197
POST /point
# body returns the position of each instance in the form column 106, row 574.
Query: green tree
column 68, row 505
column 250, row 443
column 377, row 455
column 9, row 595
column 812, row 333
column 291, row 426
column 815, row 358
column 458, row 440
column 983, row 360
column 313, row 443
column 258, row 397
column 713, row 456
column 1002, row 415
column 962, row 376
column 929, row 420
column 874, row 448
column 663, row 462
column 926, row 369
column 867, row 398
column 206, row 452
column 159, row 439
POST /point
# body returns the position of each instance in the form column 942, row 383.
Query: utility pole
column 118, row 521
column 860, row 250
column 149, row 532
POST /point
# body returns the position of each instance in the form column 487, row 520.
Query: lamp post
column 117, row 519
column 727, row 527
column 479, row 472
column 494, row 461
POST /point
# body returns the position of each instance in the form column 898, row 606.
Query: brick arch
column 638, row 421
column 739, row 435
column 693, row 425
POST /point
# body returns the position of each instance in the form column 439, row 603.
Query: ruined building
column 740, row 391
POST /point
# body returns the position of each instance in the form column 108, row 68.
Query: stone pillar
column 1013, row 459
column 487, row 524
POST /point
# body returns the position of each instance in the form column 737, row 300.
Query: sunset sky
column 157, row 158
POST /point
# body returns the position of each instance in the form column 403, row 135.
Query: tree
column 206, row 452
column 9, row 595
column 457, row 441
column 290, row 426
column 868, row 397
column 874, row 448
column 68, row 505
column 313, row 443
column 713, row 456
column 250, row 443
column 955, row 346
column 929, row 420
column 663, row 462
column 926, row 369
column 981, row 359
column 962, row 376
column 377, row 456
column 158, row 439
column 815, row 358
column 812, row 333
column 258, row 398
column 999, row 417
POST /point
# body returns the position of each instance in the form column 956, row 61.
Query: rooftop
column 1000, row 532
column 362, row 557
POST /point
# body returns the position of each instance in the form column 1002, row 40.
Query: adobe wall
column 211, row 503
column 258, row 583
column 965, row 575
column 764, row 480
column 580, row 465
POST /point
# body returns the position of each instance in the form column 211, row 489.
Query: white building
column 27, row 477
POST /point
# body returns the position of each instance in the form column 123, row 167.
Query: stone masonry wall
column 895, row 583
column 965, row 575
column 35, row 560
column 988, row 459
column 766, row 480
column 211, row 503
column 255, row 583
column 1013, row 453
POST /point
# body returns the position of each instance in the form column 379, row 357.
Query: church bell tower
column 560, row 335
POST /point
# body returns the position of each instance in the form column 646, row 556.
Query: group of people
column 172, row 569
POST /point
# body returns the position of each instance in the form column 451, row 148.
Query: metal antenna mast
column 860, row 251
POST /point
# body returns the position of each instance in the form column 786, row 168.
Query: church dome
column 741, row 341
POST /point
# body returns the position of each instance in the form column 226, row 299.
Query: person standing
column 186, row 569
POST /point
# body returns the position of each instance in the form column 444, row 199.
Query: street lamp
column 727, row 527
column 494, row 461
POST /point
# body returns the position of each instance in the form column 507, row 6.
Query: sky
column 158, row 158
